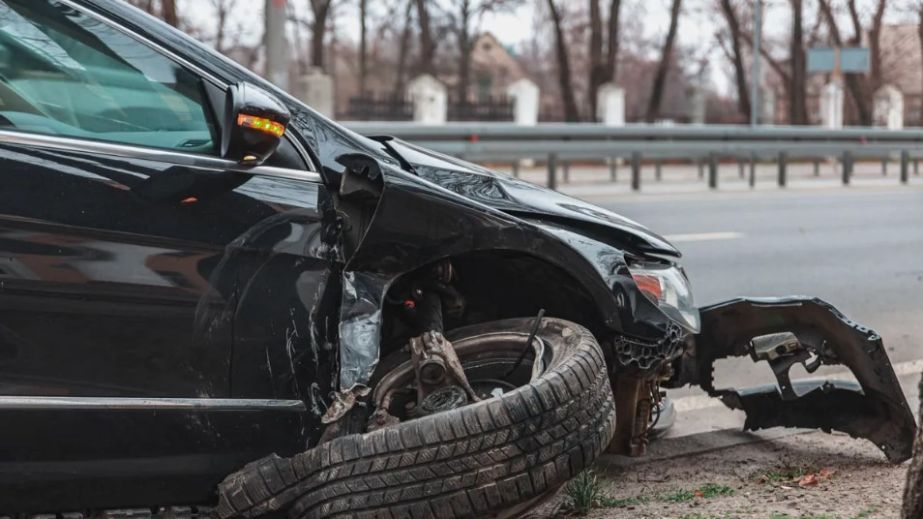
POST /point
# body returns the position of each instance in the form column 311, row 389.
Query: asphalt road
column 860, row 249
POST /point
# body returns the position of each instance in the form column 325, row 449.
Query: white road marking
column 700, row 402
column 705, row 236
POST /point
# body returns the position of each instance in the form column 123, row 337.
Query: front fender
column 417, row 223
column 786, row 331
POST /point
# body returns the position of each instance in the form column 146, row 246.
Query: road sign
column 854, row 59
column 851, row 59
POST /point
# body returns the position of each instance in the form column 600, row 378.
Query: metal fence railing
column 707, row 145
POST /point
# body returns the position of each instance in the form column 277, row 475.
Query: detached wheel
column 531, row 432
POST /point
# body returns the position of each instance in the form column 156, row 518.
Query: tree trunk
column 597, row 66
column 853, row 82
column 740, row 74
column 571, row 113
column 400, row 82
column 875, row 77
column 464, row 50
column 363, row 47
column 612, row 45
column 168, row 12
column 913, row 491
column 321, row 9
column 666, row 56
column 920, row 35
column 426, row 65
column 797, row 92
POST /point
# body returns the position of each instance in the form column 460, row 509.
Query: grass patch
column 677, row 496
column 865, row 514
column 583, row 492
column 611, row 502
column 711, row 490
column 785, row 474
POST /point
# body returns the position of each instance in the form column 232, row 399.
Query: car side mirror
column 255, row 122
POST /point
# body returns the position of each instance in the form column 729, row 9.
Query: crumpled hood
column 521, row 198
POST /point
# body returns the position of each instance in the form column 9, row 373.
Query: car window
column 65, row 73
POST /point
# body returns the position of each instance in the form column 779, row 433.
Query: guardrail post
column 884, row 167
column 816, row 168
column 658, row 170
column 552, row 173
column 847, row 167
column 566, row 171
column 613, row 168
column 516, row 169
column 752, row 170
column 712, row 171
column 905, row 166
column 635, row 171
column 783, row 168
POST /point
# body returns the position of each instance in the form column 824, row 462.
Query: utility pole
column 755, row 102
column 274, row 43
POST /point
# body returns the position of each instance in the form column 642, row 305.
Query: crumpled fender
column 874, row 409
column 417, row 223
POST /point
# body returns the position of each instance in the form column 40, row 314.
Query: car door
column 156, row 301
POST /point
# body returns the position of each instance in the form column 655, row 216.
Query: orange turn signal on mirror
column 261, row 124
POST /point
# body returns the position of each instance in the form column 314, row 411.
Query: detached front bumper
column 796, row 330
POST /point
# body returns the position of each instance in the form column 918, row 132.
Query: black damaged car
column 211, row 297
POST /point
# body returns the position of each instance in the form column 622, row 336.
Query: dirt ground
column 805, row 476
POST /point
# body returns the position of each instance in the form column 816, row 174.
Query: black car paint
column 258, row 292
column 140, row 278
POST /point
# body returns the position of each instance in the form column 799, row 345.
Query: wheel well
column 503, row 284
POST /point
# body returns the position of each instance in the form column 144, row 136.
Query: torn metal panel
column 801, row 330
column 360, row 327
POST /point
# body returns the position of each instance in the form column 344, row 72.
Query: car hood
column 517, row 197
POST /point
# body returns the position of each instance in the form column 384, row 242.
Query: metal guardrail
column 705, row 144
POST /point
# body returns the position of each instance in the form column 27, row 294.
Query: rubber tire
column 469, row 462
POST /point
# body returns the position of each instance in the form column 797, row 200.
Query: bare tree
column 666, row 56
column 920, row 35
column 427, row 61
column 223, row 9
column 603, row 68
column 146, row 5
column 403, row 50
column 571, row 113
column 363, row 46
column 164, row 9
column 860, row 90
column 735, row 54
column 168, row 12
column 321, row 11
column 798, row 78
column 913, row 490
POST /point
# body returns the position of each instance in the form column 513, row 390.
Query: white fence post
column 316, row 90
column 831, row 106
column 610, row 105
column 525, row 96
column 430, row 100
column 888, row 108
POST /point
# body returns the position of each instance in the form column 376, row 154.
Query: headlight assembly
column 667, row 287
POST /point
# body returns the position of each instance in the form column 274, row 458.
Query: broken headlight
column 667, row 287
